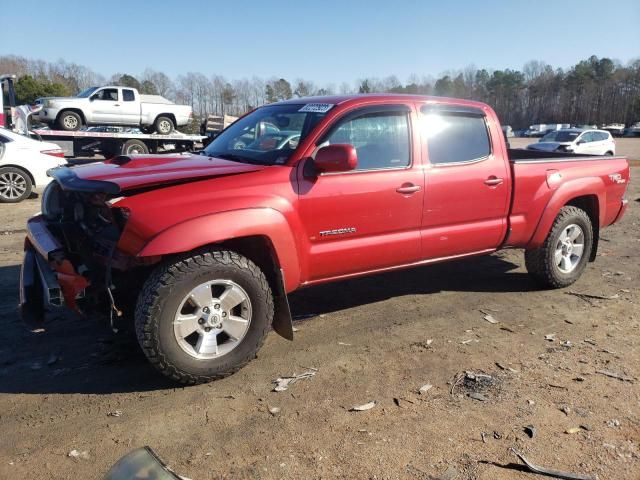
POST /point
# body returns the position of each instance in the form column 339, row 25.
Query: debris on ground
column 489, row 318
column 613, row 423
column 115, row 413
column 587, row 297
column 530, row 430
column 344, row 344
column 425, row 388
column 364, row 407
column 504, row 367
column 84, row 455
column 550, row 472
column 274, row 410
column 283, row 383
column 565, row 409
column 573, row 430
column 478, row 396
column 607, row 373
column 551, row 337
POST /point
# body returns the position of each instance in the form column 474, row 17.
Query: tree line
column 594, row 91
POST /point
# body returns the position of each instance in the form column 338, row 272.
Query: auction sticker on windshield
column 316, row 107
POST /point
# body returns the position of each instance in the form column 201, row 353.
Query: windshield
column 560, row 136
column 86, row 93
column 268, row 135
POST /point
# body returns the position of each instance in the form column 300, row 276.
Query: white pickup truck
column 113, row 105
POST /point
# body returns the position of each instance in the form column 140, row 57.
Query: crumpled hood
column 140, row 171
column 548, row 146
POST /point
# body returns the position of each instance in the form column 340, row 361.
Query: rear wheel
column 69, row 121
column 205, row 316
column 563, row 256
column 15, row 185
column 609, row 154
column 132, row 147
column 164, row 125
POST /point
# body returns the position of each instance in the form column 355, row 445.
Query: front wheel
column 69, row 121
column 204, row 316
column 15, row 185
column 563, row 256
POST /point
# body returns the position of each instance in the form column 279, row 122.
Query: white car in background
column 23, row 165
column 573, row 140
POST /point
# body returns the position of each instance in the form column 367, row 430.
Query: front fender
column 218, row 227
column 562, row 196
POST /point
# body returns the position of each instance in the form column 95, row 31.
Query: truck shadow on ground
column 480, row 274
column 84, row 356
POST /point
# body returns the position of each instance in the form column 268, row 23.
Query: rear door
column 467, row 182
column 129, row 108
column 368, row 218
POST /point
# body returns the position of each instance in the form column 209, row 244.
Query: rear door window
column 128, row 95
column 456, row 138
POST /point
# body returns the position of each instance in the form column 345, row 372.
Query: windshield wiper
column 235, row 158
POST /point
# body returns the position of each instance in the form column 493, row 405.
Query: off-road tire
column 540, row 261
column 9, row 174
column 161, row 295
column 160, row 122
column 69, row 126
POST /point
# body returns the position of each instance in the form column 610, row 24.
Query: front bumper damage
column 48, row 281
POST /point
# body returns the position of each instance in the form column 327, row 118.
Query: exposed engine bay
column 85, row 228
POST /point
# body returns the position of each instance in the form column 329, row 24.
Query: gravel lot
column 374, row 339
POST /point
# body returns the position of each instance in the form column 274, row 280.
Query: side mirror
column 92, row 98
column 336, row 158
column 580, row 142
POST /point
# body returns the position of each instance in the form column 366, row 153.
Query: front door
column 105, row 106
column 467, row 182
column 368, row 218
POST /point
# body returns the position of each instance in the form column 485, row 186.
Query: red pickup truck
column 202, row 249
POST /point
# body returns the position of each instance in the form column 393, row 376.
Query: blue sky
column 325, row 41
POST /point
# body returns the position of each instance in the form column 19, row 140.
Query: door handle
column 117, row 105
column 408, row 188
column 493, row 181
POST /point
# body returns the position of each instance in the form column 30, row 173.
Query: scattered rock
column 479, row 396
column 551, row 337
column 573, row 430
column 613, row 423
column 84, row 455
column 115, row 413
column 425, row 388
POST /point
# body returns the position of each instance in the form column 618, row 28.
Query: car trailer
column 84, row 143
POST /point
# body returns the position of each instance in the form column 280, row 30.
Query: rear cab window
column 128, row 95
column 455, row 135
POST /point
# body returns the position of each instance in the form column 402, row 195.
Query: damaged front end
column 71, row 255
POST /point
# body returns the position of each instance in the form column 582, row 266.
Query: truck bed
column 522, row 155
column 542, row 179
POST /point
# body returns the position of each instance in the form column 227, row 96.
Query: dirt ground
column 373, row 339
